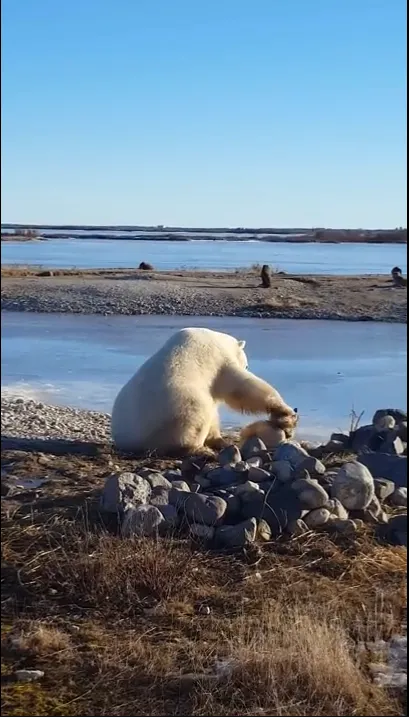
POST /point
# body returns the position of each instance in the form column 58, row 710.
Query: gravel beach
column 32, row 419
column 195, row 293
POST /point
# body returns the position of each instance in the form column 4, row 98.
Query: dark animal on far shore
column 146, row 267
column 265, row 276
column 397, row 277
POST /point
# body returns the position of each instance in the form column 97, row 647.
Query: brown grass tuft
column 40, row 639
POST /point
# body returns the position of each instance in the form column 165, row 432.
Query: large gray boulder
column 282, row 470
column 317, row 518
column 398, row 414
column 281, row 509
column 400, row 498
column 383, row 465
column 207, row 509
column 237, row 536
column 384, row 488
column 123, row 491
column 396, row 531
column 310, row 494
column 144, row 520
column 292, row 452
column 353, row 486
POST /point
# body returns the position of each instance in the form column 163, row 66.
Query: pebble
column 28, row 675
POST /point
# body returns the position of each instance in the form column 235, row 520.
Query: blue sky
column 204, row 112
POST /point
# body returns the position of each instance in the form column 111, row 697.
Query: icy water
column 323, row 368
column 348, row 259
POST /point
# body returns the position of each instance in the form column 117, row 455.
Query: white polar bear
column 170, row 404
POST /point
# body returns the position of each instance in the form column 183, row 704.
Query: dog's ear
column 241, row 344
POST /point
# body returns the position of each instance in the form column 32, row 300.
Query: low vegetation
column 158, row 627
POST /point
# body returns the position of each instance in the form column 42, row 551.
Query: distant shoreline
column 181, row 234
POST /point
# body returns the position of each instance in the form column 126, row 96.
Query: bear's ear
column 241, row 344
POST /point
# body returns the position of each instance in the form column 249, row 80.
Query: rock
column 346, row 527
column 203, row 482
column 365, row 437
column 343, row 438
column 392, row 445
column 255, row 462
column 124, row 490
column 396, row 413
column 280, row 508
column 383, row 465
column 383, row 488
column 170, row 515
column 395, row 532
column 400, row 497
column 180, row 485
column 282, row 471
column 252, row 447
column 237, row 536
column 310, row 464
column 174, row 474
column 258, row 475
column 317, row 518
column 201, row 531
column 233, row 505
column 290, row 451
column 230, row 475
column 297, row 527
column 241, row 468
column 207, row 509
column 385, row 423
column 252, row 504
column 178, row 497
column 247, row 487
column 353, row 486
column 403, row 431
column 193, row 465
column 218, row 477
column 229, row 455
column 263, row 530
column 157, row 480
column 374, row 513
column 160, row 496
column 336, row 509
column 310, row 494
column 142, row 521
column 333, row 447
column 28, row 675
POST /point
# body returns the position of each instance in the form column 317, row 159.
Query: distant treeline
column 162, row 233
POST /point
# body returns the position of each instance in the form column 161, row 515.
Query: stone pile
column 253, row 493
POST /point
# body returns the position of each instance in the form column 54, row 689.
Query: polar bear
column 170, row 405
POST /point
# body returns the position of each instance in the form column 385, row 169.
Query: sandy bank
column 190, row 293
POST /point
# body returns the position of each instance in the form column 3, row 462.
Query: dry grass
column 39, row 640
column 285, row 629
column 160, row 627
